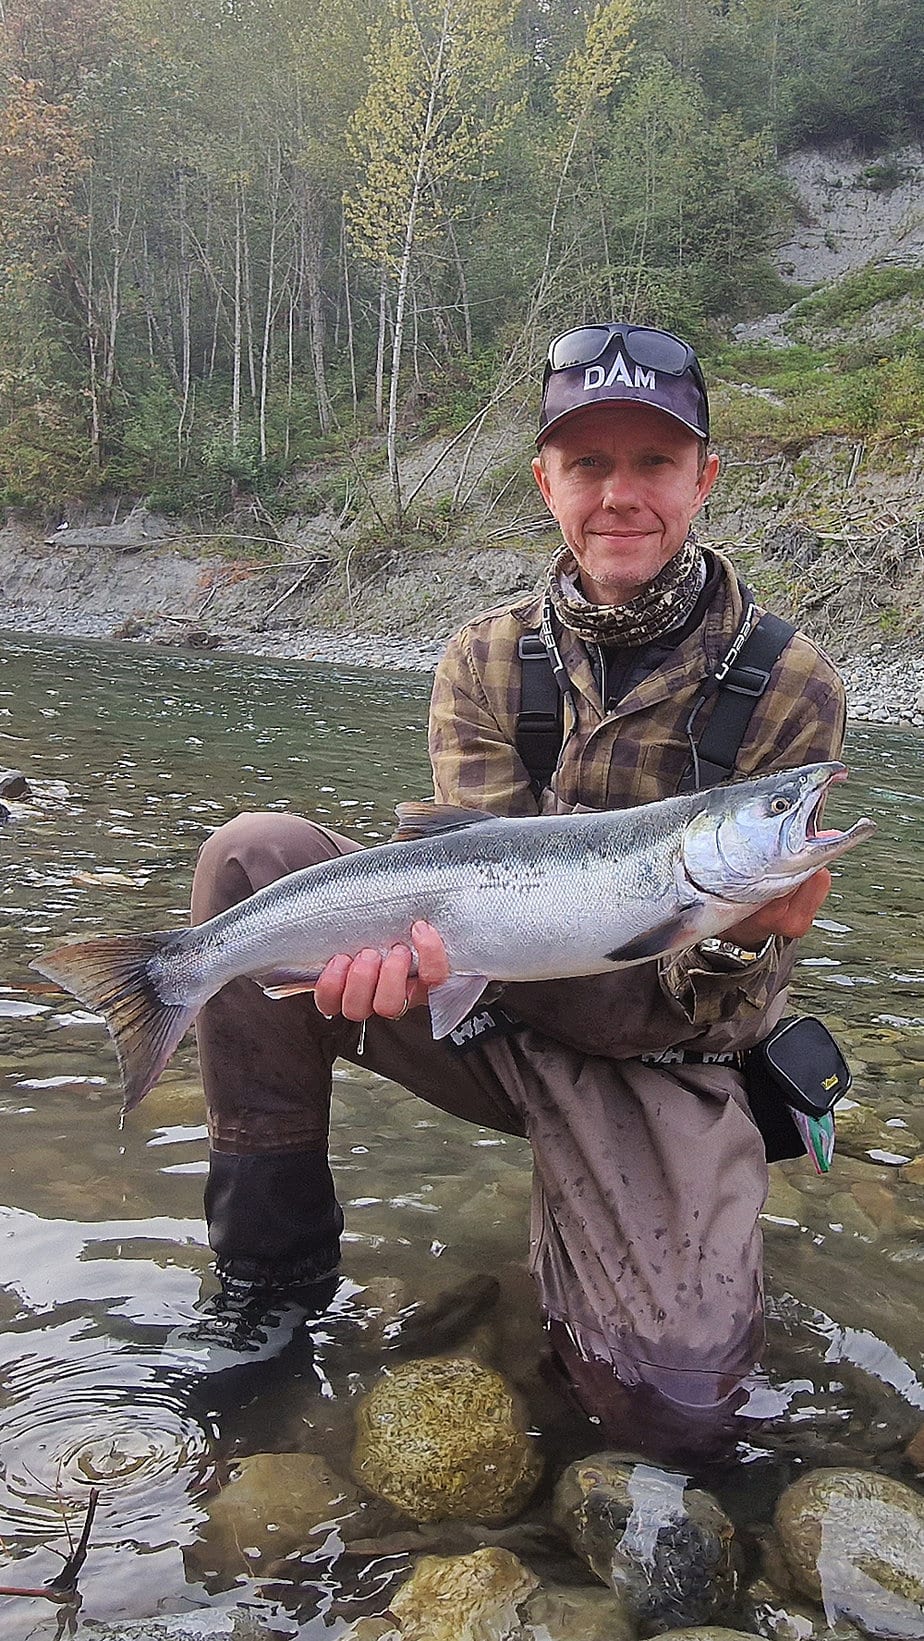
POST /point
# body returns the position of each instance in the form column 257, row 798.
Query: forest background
column 265, row 261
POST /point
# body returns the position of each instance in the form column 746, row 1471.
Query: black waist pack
column 798, row 1066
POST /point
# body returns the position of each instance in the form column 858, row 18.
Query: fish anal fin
column 674, row 934
column 453, row 1000
column 425, row 820
column 278, row 983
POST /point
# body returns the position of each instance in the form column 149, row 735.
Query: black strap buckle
column 750, row 681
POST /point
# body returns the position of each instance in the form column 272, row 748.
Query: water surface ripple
column 134, row 755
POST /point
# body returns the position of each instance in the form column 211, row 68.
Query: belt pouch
column 800, row 1067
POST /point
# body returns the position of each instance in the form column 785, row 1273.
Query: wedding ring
column 407, row 1004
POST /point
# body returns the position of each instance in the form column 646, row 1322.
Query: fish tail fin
column 115, row 975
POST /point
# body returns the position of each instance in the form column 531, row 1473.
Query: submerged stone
column 274, row 1504
column 576, row 1613
column 453, row 1598
column 208, row 1624
column 854, row 1540
column 667, row 1549
column 446, row 1437
column 706, row 1632
column 13, row 784
column 784, row 1619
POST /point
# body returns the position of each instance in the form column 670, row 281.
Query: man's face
column 625, row 483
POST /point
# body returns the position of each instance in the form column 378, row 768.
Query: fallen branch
column 63, row 1587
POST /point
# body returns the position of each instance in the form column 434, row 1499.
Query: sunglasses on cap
column 651, row 349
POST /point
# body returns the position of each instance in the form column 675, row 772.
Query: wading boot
column 275, row 1225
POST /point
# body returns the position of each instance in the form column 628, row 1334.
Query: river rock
column 575, row 1613
column 208, row 1624
column 462, row 1598
column 855, row 1540
column 138, row 529
column 13, row 784
column 446, row 1437
column 394, row 1319
column 274, row 1504
column 477, row 1597
column 789, row 1620
column 863, row 1134
column 667, row 1549
column 706, row 1632
column 914, row 1452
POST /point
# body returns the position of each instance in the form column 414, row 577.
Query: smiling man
column 640, row 668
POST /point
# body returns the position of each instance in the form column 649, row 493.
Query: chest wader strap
column 738, row 683
column 541, row 718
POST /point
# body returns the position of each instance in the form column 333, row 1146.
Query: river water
column 135, row 755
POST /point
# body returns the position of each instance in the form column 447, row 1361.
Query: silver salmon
column 542, row 898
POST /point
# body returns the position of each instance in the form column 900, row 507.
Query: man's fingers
column 368, row 983
column 432, row 962
column 391, row 993
column 805, row 901
column 328, row 992
column 360, row 985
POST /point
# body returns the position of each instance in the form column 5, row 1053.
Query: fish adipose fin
column 453, row 1000
column 424, row 820
column 670, row 936
column 111, row 974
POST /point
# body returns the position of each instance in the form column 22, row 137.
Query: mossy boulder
column 854, row 1540
column 667, row 1549
column 445, row 1437
column 448, row 1597
column 706, row 1632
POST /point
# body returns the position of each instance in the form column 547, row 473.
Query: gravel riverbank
column 884, row 686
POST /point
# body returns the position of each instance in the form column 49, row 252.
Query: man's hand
column 368, row 983
column 791, row 916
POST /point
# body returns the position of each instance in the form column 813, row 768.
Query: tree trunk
column 236, row 345
column 404, row 267
column 348, row 310
column 380, row 357
column 313, row 251
column 270, row 299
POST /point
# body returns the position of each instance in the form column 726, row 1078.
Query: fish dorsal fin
column 424, row 819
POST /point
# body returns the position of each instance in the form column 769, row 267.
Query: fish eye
column 780, row 806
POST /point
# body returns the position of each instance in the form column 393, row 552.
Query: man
column 649, row 1173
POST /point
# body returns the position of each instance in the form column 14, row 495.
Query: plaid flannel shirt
column 635, row 754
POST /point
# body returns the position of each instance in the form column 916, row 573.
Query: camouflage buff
column 635, row 754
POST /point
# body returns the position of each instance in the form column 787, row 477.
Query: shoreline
column 885, row 685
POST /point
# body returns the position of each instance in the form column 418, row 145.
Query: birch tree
column 442, row 94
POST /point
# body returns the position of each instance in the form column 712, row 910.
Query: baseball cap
column 624, row 364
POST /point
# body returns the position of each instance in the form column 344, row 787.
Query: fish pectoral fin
column 453, row 1000
column 278, row 983
column 673, row 935
column 424, row 820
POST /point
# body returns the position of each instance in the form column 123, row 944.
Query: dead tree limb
column 63, row 1587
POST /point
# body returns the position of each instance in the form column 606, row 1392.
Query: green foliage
column 189, row 310
column 807, row 393
column 43, row 456
column 856, row 294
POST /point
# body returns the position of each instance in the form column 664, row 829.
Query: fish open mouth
column 830, row 841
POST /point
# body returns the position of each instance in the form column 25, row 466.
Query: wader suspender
column 737, row 683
